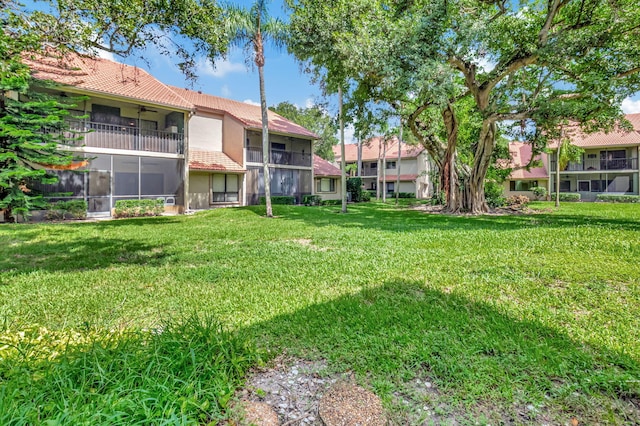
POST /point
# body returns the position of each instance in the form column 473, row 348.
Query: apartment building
column 143, row 139
column 609, row 164
column 414, row 166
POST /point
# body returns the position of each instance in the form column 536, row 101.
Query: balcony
column 587, row 165
column 99, row 135
column 286, row 158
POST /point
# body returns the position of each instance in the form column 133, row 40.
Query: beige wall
column 233, row 140
column 337, row 195
column 199, row 190
column 205, row 132
column 408, row 166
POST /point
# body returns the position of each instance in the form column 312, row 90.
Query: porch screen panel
column 160, row 176
column 126, row 175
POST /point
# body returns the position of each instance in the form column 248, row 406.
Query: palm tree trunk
column 265, row 143
column 378, row 167
column 384, row 172
column 398, row 162
column 343, row 167
column 558, row 176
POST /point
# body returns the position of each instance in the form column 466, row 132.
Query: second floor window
column 391, row 165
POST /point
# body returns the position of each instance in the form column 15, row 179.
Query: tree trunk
column 265, row 143
column 384, row 172
column 343, row 168
column 359, row 156
column 558, row 176
column 378, row 166
column 476, row 203
column 449, row 184
column 398, row 162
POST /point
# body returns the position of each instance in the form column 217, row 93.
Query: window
column 390, row 186
column 522, row 185
column 584, row 186
column 326, row 185
column 225, row 188
column 374, row 165
column 565, row 186
column 278, row 146
column 391, row 165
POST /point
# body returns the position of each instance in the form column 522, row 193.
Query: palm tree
column 250, row 29
column 565, row 154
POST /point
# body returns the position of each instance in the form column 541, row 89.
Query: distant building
column 414, row 166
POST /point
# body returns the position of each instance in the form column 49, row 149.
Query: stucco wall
column 233, row 140
column 205, row 132
column 199, row 190
column 337, row 195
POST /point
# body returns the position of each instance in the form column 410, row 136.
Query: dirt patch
column 499, row 211
column 308, row 243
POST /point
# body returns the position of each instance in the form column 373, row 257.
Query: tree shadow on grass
column 77, row 254
column 402, row 219
column 471, row 350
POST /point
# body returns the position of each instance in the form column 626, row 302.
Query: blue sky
column 233, row 79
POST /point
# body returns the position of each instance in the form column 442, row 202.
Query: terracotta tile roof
column 617, row 137
column 403, row 178
column 322, row 167
column 249, row 115
column 520, row 156
column 212, row 161
column 107, row 77
column 371, row 152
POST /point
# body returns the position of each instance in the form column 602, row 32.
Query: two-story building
column 414, row 166
column 143, row 139
column 609, row 164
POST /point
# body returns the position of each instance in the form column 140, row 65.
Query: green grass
column 499, row 312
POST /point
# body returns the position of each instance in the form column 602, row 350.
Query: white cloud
column 105, row 55
column 485, row 64
column 309, row 103
column 225, row 91
column 250, row 102
column 349, row 134
column 221, row 69
column 629, row 106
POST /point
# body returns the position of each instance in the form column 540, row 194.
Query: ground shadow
column 403, row 219
column 471, row 350
column 78, row 254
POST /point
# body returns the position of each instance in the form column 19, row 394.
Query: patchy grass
column 519, row 319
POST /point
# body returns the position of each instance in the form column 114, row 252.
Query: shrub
column 437, row 199
column 137, row 208
column 280, row 199
column 311, row 200
column 366, row 196
column 493, row 194
column 406, row 195
column 331, row 202
column 354, row 187
column 372, row 193
column 517, row 200
column 73, row 209
column 614, row 198
column 539, row 191
column 567, row 196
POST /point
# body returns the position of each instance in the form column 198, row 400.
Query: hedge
column 137, row 208
column 566, row 196
column 73, row 209
column 284, row 199
column 311, row 200
column 613, row 198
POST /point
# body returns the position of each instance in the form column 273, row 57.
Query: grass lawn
column 515, row 319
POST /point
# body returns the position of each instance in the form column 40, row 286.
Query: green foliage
column 185, row 370
column 366, row 196
column 567, row 196
column 406, row 195
column 138, row 208
column 317, row 120
column 354, row 187
column 282, row 200
column 539, row 191
column 437, row 199
column 493, row 194
column 311, row 200
column 615, row 198
column 331, row 202
column 73, row 209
